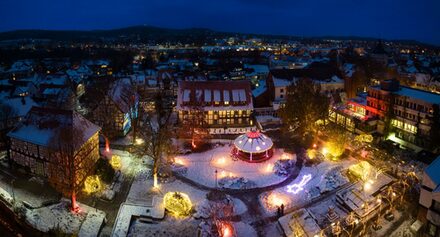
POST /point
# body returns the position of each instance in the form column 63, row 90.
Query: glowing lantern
column 177, row 203
column 92, row 184
column 324, row 151
column 115, row 162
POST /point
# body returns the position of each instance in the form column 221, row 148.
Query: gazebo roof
column 253, row 142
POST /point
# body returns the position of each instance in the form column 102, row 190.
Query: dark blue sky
column 391, row 19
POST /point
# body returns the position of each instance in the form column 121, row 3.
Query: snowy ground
column 59, row 217
column 201, row 167
column 32, row 191
column 130, row 164
column 243, row 229
column 141, row 194
column 310, row 183
column 171, row 226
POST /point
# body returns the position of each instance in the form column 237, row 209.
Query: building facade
column 116, row 110
column 429, row 201
column 405, row 114
column 52, row 143
column 227, row 105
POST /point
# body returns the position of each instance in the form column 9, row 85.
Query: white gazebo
column 253, row 147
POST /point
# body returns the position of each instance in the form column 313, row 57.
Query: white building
column 429, row 210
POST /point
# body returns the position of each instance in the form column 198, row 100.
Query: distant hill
column 144, row 32
column 158, row 34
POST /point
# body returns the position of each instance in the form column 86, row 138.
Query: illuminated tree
column 195, row 127
column 338, row 139
column 304, row 106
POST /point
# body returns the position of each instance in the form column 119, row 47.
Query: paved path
column 250, row 197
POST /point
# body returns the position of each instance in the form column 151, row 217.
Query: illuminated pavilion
column 253, row 147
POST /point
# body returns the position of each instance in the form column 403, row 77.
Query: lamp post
column 216, row 178
column 12, row 191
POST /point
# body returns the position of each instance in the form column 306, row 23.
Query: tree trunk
column 74, row 206
column 134, row 122
column 155, row 171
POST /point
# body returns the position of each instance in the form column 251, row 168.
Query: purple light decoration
column 296, row 188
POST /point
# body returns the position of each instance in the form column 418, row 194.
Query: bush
column 105, row 170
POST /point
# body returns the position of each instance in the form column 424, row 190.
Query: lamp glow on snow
column 275, row 200
column 92, row 184
column 179, row 161
column 177, row 203
column 221, row 161
column 268, row 168
column 115, row 162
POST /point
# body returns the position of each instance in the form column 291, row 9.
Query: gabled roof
column 316, row 71
column 119, row 93
column 42, row 126
column 193, row 93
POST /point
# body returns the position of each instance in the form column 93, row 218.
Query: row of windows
column 413, row 105
column 407, row 127
column 405, row 114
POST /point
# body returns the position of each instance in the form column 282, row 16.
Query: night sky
column 389, row 19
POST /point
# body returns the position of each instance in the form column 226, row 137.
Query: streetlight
column 12, row 191
column 216, row 178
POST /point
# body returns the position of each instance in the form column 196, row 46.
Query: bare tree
column 305, row 105
column 130, row 96
column 73, row 161
column 156, row 130
column 7, row 113
column 195, row 127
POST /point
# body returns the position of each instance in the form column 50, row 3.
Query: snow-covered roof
column 42, row 126
column 260, row 89
column 123, row 94
column 419, row 95
column 253, row 142
column 226, row 95
column 258, row 68
column 281, row 82
column 21, row 105
column 237, row 94
column 433, row 171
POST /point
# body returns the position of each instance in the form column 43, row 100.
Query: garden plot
column 204, row 168
column 310, row 183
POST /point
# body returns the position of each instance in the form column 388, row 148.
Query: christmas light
column 115, row 162
column 92, row 184
column 177, row 203
column 296, row 188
